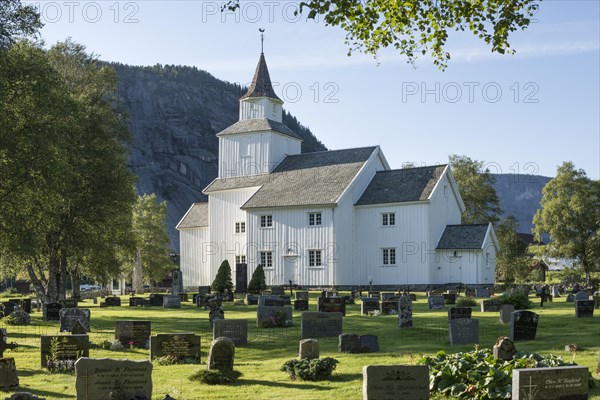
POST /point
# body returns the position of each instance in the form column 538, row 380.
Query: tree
column 419, row 27
column 476, row 189
column 148, row 259
column 223, row 280
column 17, row 21
column 257, row 282
column 512, row 259
column 570, row 215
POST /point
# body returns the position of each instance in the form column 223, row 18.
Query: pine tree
column 257, row 282
column 223, row 280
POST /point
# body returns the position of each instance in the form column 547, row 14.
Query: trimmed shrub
column 223, row 282
column 317, row 369
column 517, row 298
column 215, row 377
column 257, row 282
column 465, row 302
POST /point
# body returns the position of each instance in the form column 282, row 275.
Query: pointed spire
column 261, row 83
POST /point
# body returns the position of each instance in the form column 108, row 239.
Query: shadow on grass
column 345, row 377
column 302, row 386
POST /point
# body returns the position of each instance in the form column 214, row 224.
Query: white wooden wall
column 194, row 244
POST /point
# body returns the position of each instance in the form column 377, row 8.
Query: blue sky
column 524, row 113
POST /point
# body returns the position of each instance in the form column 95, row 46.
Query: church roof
column 257, row 125
column 261, row 83
column 196, row 217
column 307, row 179
column 463, row 237
column 401, row 185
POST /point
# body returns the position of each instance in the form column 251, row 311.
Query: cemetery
column 145, row 350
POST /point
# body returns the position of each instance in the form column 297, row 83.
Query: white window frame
column 240, row 227
column 315, row 258
column 388, row 219
column 388, row 256
column 266, row 221
column 266, row 258
column 315, row 218
column 241, row 259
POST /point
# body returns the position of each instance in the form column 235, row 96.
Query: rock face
column 174, row 114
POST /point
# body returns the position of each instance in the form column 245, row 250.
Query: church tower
column 259, row 140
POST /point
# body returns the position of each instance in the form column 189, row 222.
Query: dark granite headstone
column 133, row 333
column 584, row 308
column 234, row 329
column 349, row 343
column 177, row 284
column 277, row 290
column 69, row 316
column 332, row 304
column 482, row 292
column 51, row 311
column 555, row 383
column 182, row 345
column 470, row 292
column 221, row 354
column 389, row 307
column 369, row 343
column 67, row 348
column 373, row 294
column 171, row 301
column 369, row 304
column 449, row 298
column 300, row 305
column 138, row 302
column 8, row 307
column 9, row 379
column 386, row 382
column 315, row 324
column 570, row 298
column 301, row 295
column 405, row 312
column 523, row 325
column 204, row 289
column 459, row 312
column 156, row 300
column 215, row 313
column 463, row 331
column 251, row 299
column 273, row 302
column 435, row 302
column 112, row 301
column 78, row 328
column 69, row 303
column 388, row 296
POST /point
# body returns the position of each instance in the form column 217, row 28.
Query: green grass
column 267, row 350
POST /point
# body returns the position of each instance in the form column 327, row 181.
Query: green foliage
column 171, row 359
column 478, row 375
column 17, row 21
column 18, row 317
column 223, row 280
column 517, row 298
column 416, row 27
column 317, row 369
column 512, row 260
column 569, row 276
column 274, row 319
column 476, row 189
column 465, row 301
column 257, row 282
column 570, row 214
column 215, row 376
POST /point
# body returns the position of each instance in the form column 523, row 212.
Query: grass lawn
column 268, row 349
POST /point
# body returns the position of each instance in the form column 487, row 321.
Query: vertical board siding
column 194, row 261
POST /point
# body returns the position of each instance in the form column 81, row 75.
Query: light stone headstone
column 555, row 383
column 172, row 301
column 555, row 292
column 104, row 378
column 463, row 331
column 221, row 354
column 459, row 312
column 490, row 305
column 390, row 382
column 506, row 311
column 315, row 324
column 504, row 349
column 405, row 312
column 309, row 349
column 435, row 302
column 482, row 292
column 583, row 295
column 8, row 374
column 234, row 329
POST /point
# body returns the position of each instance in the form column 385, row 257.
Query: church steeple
column 261, row 83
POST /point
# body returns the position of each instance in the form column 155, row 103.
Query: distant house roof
column 261, row 83
column 401, row 185
column 196, row 217
column 257, row 125
column 301, row 180
column 529, row 239
column 463, row 237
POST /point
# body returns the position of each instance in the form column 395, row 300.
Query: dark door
column 241, row 278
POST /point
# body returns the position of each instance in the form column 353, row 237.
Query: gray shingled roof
column 261, row 83
column 401, row 185
column 196, row 217
column 301, row 180
column 258, row 125
column 463, row 237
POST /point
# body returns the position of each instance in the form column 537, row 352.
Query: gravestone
column 156, row 300
column 387, row 296
column 459, row 312
column 369, row 304
column 112, row 301
column 215, row 313
column 4, row 345
column 349, row 343
column 369, row 343
column 8, row 374
column 241, row 278
column 469, row 292
column 133, row 333
column 138, row 302
column 204, row 289
column 251, row 299
column 490, row 305
column 389, row 307
column 583, row 295
column 221, row 354
column 373, row 294
column 277, row 290
column 387, row 382
column 584, row 308
column 51, row 311
column 482, row 292
column 171, row 301
column 234, row 329
column 278, row 302
column 449, row 298
column 463, row 331
column 267, row 316
column 523, row 325
column 413, row 296
column 69, row 316
column 104, row 378
column 309, row 349
column 301, row 295
column 78, row 329
column 331, row 293
column 177, row 284
column 315, row 324
column 332, row 304
column 555, row 383
column 184, row 297
column 66, row 349
column 506, row 311
column 69, row 303
column 504, row 349
column 182, row 345
column 435, row 302
column 555, row 292
column 405, row 312
column 570, row 298
column 300, row 305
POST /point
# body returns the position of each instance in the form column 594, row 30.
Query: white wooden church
column 326, row 219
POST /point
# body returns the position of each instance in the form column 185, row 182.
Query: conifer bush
column 223, row 282
column 257, row 282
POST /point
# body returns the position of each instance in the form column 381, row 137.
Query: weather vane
column 262, row 38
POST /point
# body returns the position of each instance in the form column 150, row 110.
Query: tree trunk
column 137, row 274
column 38, row 284
column 75, row 281
column 63, row 277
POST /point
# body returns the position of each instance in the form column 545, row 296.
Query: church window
column 240, row 227
column 388, row 219
column 266, row 221
column 314, row 218
column 315, row 258
column 389, row 256
column 266, row 259
column 240, row 259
